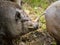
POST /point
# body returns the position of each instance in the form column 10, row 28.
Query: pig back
column 52, row 16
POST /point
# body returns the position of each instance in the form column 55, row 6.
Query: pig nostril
column 36, row 26
column 33, row 26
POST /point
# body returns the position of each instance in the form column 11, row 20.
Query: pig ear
column 17, row 15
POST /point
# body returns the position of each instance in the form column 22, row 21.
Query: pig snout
column 33, row 25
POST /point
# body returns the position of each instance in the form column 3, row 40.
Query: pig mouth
column 32, row 29
column 29, row 30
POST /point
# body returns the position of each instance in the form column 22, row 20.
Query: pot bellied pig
column 52, row 16
column 14, row 22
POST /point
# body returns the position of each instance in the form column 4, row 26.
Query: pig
column 14, row 22
column 52, row 17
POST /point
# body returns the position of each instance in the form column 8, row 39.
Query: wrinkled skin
column 52, row 16
column 13, row 22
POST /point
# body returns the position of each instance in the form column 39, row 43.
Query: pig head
column 14, row 21
column 52, row 16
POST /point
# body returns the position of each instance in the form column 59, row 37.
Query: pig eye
column 24, row 20
column 17, row 16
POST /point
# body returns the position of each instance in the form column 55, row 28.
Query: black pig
column 14, row 22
